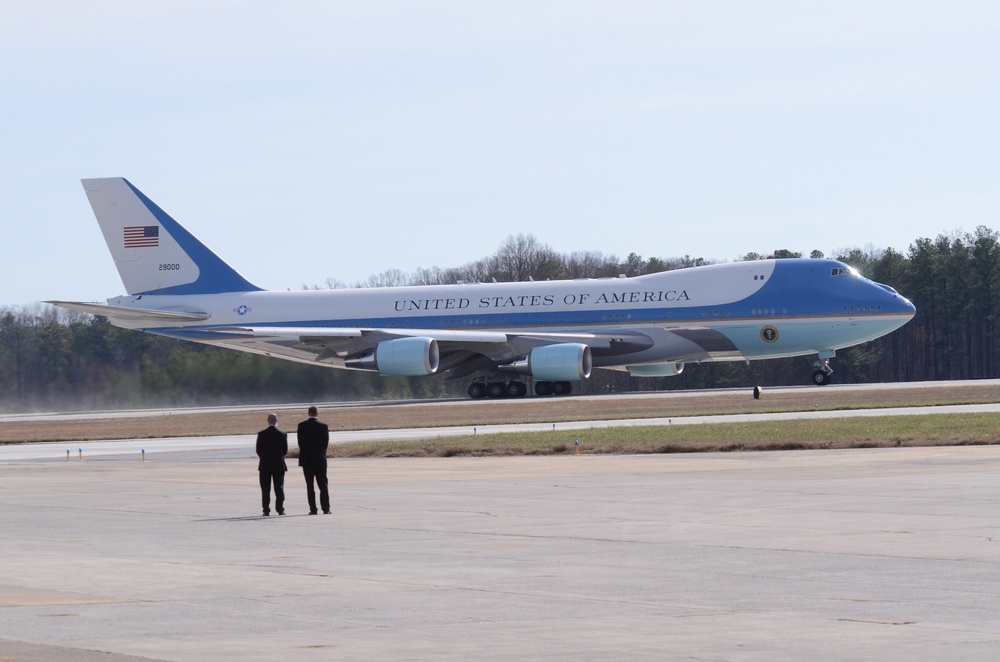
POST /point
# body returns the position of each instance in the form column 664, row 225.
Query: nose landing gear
column 822, row 372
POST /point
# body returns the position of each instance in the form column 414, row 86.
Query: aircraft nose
column 902, row 304
column 895, row 301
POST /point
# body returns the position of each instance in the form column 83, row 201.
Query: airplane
column 500, row 334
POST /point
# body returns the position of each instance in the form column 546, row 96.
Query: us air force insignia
column 769, row 334
column 242, row 310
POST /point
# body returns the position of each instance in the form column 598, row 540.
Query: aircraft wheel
column 821, row 378
column 516, row 390
column 543, row 388
column 562, row 388
column 477, row 390
column 496, row 390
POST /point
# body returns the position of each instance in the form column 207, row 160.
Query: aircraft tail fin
column 153, row 252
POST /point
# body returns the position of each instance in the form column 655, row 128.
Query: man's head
column 272, row 419
column 313, row 411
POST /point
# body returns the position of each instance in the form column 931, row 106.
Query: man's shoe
column 267, row 514
column 281, row 512
column 312, row 512
column 326, row 512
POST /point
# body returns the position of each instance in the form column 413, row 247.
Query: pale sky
column 310, row 140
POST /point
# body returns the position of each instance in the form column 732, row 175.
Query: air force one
column 554, row 332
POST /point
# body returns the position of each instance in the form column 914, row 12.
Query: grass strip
column 860, row 432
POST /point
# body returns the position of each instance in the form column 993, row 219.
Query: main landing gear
column 553, row 388
column 515, row 389
column 822, row 372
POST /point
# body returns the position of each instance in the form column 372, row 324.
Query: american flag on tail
column 142, row 236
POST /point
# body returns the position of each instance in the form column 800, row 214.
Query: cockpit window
column 844, row 271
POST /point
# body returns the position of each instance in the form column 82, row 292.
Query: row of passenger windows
column 609, row 317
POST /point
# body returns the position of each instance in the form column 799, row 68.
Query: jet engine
column 563, row 362
column 656, row 370
column 403, row 357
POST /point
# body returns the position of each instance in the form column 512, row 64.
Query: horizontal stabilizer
column 131, row 314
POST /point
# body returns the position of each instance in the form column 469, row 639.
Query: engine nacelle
column 556, row 363
column 656, row 370
column 402, row 357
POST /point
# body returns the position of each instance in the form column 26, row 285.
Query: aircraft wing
column 598, row 342
column 463, row 352
column 308, row 333
column 472, row 350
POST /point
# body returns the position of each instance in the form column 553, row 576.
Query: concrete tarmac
column 889, row 554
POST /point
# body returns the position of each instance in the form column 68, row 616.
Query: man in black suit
column 314, row 437
column 272, row 446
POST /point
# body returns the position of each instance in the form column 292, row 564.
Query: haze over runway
column 239, row 445
column 234, row 446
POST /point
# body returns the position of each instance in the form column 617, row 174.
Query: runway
column 887, row 554
column 235, row 446
column 884, row 554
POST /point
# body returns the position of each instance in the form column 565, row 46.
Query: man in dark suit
column 272, row 446
column 314, row 437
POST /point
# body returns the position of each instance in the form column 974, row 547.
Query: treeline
column 53, row 360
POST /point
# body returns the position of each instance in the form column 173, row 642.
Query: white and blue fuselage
column 553, row 331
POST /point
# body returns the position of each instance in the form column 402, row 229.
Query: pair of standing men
column 272, row 446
